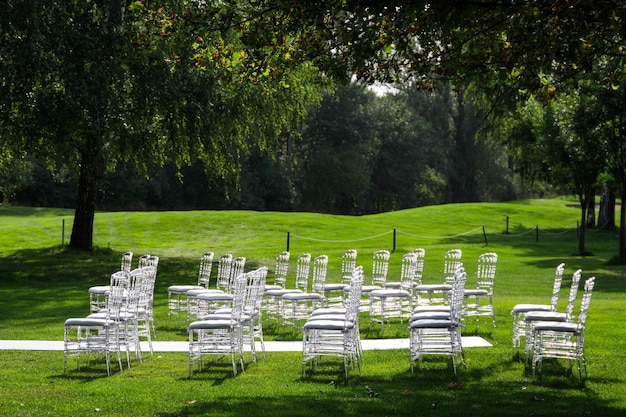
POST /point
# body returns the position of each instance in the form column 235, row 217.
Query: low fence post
column 537, row 233
column 485, row 236
column 62, row 232
column 288, row 236
column 394, row 241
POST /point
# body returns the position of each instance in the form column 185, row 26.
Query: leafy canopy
column 534, row 47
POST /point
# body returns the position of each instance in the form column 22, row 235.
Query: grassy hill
column 43, row 282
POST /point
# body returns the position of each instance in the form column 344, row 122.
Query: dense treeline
column 357, row 152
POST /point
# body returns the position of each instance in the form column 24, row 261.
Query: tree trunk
column 591, row 212
column 606, row 215
column 622, row 224
column 583, row 223
column 82, row 230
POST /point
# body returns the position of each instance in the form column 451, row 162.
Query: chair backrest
column 584, row 305
column 127, row 260
column 237, row 268
column 137, row 289
column 224, row 267
column 573, row 290
column 380, row 266
column 458, row 294
column 407, row 273
column 556, row 287
column 143, row 260
column 204, row 274
column 282, row 267
column 354, row 296
column 451, row 260
column 262, row 273
column 486, row 271
column 240, row 290
column 320, row 268
column 348, row 263
column 420, row 254
column 253, row 291
column 153, row 260
column 117, row 293
column 149, row 274
column 303, row 267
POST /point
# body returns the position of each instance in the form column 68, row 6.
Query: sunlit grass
column 42, row 283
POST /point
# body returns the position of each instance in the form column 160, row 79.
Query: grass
column 42, row 283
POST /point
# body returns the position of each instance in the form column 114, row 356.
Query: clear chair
column 210, row 301
column 98, row 293
column 85, row 336
column 420, row 254
column 479, row 301
column 520, row 310
column 220, row 337
column 437, row 333
column 256, row 316
column 177, row 294
column 335, row 336
column 563, row 340
column 297, row 306
column 145, row 313
column 271, row 305
column 224, row 267
column 431, row 294
column 275, row 296
column 280, row 271
column 127, row 316
column 533, row 317
column 386, row 303
column 251, row 319
column 348, row 263
column 380, row 267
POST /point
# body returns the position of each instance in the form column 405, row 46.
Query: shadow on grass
column 431, row 391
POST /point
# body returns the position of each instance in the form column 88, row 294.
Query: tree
column 89, row 81
column 564, row 150
column 603, row 116
column 334, row 159
column 409, row 149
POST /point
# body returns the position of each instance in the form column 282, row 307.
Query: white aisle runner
column 270, row 346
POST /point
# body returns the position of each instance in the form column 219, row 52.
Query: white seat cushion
column 524, row 308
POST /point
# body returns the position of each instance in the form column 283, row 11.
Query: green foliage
column 518, row 46
column 88, row 81
column 362, row 154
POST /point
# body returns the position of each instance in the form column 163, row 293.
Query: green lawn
column 43, row 283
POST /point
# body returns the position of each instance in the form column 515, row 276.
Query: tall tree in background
column 333, row 162
column 554, row 146
column 602, row 115
column 86, row 79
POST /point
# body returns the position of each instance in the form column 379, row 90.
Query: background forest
column 357, row 152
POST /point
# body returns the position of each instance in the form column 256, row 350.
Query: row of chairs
column 199, row 300
column 385, row 299
column 398, row 299
column 126, row 319
column 228, row 330
column 333, row 331
column 549, row 333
